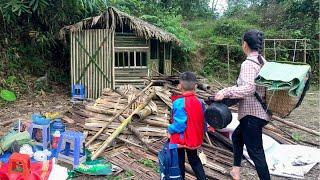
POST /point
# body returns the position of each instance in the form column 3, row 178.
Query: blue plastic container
column 39, row 120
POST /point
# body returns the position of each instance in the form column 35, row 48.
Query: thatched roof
column 113, row 17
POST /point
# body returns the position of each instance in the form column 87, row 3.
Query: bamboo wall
column 93, row 80
column 131, row 75
column 129, row 40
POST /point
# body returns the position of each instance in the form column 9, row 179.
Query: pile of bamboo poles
column 138, row 119
column 120, row 122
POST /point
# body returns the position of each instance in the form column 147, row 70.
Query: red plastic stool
column 19, row 161
column 3, row 176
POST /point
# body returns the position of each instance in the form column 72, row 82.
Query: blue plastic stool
column 71, row 148
column 78, row 92
column 45, row 134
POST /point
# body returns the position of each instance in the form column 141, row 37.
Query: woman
column 251, row 113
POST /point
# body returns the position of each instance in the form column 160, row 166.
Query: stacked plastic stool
column 78, row 92
column 71, row 148
column 45, row 131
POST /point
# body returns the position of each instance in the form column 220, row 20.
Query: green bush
column 232, row 28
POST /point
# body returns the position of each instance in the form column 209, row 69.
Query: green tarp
column 283, row 76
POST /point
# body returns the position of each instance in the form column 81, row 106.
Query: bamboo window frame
column 129, row 66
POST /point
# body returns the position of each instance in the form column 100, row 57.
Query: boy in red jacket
column 187, row 125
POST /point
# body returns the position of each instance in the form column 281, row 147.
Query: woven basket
column 280, row 103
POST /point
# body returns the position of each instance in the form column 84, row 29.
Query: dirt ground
column 307, row 115
column 56, row 101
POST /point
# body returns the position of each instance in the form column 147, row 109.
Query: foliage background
column 29, row 43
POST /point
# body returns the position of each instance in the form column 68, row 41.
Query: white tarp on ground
column 283, row 160
column 58, row 172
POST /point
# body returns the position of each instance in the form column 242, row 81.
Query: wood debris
column 145, row 126
column 144, row 131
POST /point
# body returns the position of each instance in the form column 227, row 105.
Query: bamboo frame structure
column 274, row 48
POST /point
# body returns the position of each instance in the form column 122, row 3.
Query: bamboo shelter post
column 117, row 115
column 228, row 56
column 274, row 50
column 264, row 49
column 305, row 51
column 122, row 126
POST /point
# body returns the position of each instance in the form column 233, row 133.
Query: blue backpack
column 169, row 164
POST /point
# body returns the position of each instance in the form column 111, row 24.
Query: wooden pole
column 305, row 51
column 122, row 126
column 118, row 114
column 228, row 56
column 264, row 49
column 209, row 140
column 274, row 49
column 311, row 131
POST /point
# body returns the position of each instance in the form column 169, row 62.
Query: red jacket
column 188, row 130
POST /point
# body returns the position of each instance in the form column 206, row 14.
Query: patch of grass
column 113, row 178
column 296, row 136
column 150, row 164
column 129, row 173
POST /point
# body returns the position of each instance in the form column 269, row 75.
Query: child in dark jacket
column 187, row 125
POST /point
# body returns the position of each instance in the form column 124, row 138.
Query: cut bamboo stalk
column 278, row 137
column 122, row 139
column 216, row 167
column 121, row 127
column 118, row 114
column 155, row 123
column 291, row 124
column 129, row 132
column 209, row 140
column 221, row 150
column 143, row 113
column 68, row 120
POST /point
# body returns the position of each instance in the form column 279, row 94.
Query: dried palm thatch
column 113, row 17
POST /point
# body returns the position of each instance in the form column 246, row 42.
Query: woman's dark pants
column 249, row 132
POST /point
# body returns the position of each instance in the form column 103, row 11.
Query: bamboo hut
column 115, row 48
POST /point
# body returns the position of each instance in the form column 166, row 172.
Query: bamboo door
column 92, row 60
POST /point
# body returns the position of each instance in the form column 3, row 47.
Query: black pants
column 249, row 132
column 194, row 161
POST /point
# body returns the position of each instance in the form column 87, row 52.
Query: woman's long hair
column 254, row 38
